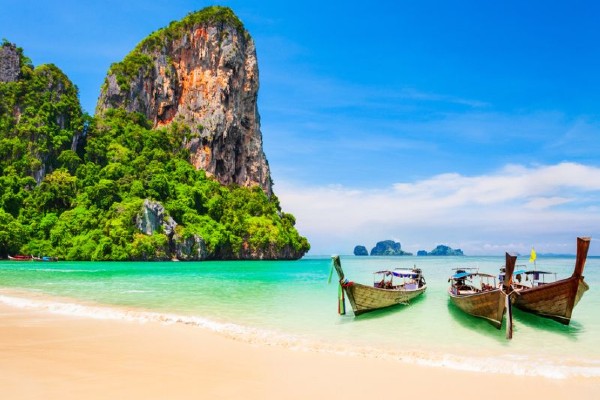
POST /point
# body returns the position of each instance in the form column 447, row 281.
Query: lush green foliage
column 126, row 70
column 213, row 15
column 85, row 206
column 39, row 115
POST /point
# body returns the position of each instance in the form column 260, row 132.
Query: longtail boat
column 477, row 294
column 556, row 299
column 20, row 257
column 390, row 287
column 45, row 258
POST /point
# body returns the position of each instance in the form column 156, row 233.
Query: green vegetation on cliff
column 94, row 174
column 138, row 60
column 214, row 15
column 39, row 116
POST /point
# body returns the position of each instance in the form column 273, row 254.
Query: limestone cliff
column 10, row 62
column 152, row 218
column 114, row 188
column 200, row 72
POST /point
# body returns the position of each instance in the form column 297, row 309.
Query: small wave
column 503, row 364
column 68, row 270
column 508, row 366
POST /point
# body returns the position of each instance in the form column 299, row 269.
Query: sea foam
column 506, row 364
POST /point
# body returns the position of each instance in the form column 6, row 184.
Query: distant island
column 441, row 250
column 391, row 248
column 383, row 248
column 360, row 251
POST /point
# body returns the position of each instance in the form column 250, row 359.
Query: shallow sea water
column 290, row 303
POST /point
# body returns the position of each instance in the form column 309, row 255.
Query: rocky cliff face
column 10, row 63
column 152, row 218
column 104, row 191
column 200, row 72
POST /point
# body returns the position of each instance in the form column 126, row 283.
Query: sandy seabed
column 50, row 356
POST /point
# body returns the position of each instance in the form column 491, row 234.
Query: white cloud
column 545, row 202
column 515, row 207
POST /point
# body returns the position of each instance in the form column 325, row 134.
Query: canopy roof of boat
column 461, row 275
column 530, row 272
column 538, row 272
column 399, row 273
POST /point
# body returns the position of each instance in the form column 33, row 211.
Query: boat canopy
column 406, row 274
column 400, row 274
column 520, row 271
column 461, row 275
column 466, row 274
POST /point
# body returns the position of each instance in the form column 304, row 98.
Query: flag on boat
column 532, row 256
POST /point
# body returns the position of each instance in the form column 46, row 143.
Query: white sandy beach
column 50, row 356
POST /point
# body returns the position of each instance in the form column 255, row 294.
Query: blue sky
column 471, row 124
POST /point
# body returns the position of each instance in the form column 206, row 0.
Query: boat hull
column 554, row 300
column 20, row 258
column 489, row 305
column 365, row 298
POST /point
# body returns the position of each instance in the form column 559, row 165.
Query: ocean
column 291, row 304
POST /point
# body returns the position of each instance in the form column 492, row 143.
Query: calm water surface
column 291, row 304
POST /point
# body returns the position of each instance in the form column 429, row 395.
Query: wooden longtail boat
column 477, row 294
column 20, row 257
column 397, row 286
column 45, row 258
column 557, row 299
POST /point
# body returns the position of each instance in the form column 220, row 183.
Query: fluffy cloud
column 509, row 210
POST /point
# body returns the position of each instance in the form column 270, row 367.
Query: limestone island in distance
column 391, row 248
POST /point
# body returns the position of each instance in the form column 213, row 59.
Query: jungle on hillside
column 78, row 187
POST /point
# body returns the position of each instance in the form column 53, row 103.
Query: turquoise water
column 291, row 304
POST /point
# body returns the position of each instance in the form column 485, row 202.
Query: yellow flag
column 533, row 256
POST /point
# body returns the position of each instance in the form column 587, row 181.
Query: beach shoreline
column 48, row 355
